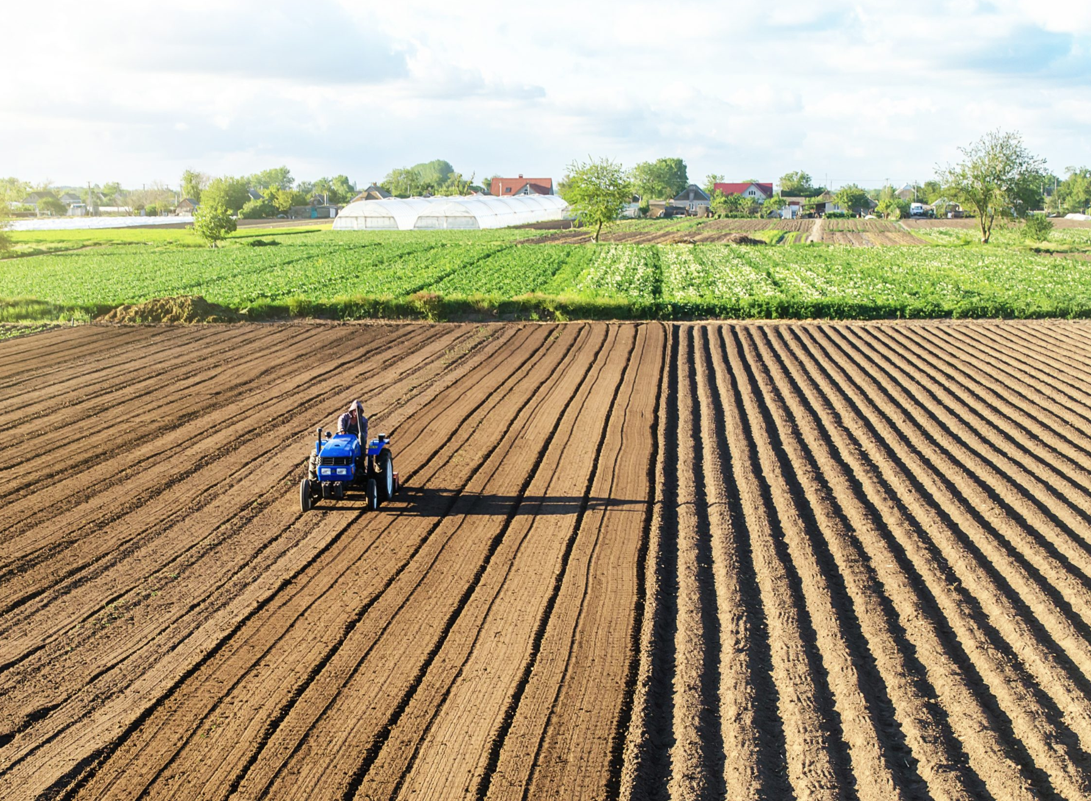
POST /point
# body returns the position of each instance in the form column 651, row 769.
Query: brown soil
column 769, row 561
column 180, row 309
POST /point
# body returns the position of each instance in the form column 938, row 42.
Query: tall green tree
column 230, row 193
column 432, row 177
column 280, row 177
column 284, row 199
column 1073, row 194
column 796, row 184
column 893, row 208
column 12, row 190
column 597, row 191
column 338, row 189
column 112, row 193
column 193, row 184
column 772, row 205
column 51, row 205
column 710, row 183
column 851, row 198
column 997, row 176
column 662, row 179
column 212, row 222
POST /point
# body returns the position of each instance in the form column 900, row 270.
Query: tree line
column 997, row 177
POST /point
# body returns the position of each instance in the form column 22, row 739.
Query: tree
column 851, row 198
column 998, row 176
column 733, row 205
column 1073, row 194
column 231, row 193
column 111, row 193
column 12, row 190
column 772, row 206
column 257, row 210
column 893, row 208
column 52, row 206
column 336, row 190
column 1038, row 227
column 796, row 184
column 5, row 240
column 212, row 222
column 434, row 177
column 283, row 199
column 931, row 191
column 597, row 191
column 193, row 184
column 280, row 177
column 662, row 179
column 710, row 183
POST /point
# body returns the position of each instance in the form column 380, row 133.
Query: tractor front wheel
column 305, row 502
column 372, row 491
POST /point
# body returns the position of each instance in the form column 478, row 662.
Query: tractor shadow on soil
column 430, row 502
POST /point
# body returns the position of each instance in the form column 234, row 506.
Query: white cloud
column 132, row 92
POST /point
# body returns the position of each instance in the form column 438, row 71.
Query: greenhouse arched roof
column 439, row 213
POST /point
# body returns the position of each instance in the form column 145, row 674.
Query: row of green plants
column 354, row 275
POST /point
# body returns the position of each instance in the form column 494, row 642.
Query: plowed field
column 635, row 561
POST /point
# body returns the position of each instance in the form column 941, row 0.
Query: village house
column 694, row 200
column 509, row 187
column 373, row 192
column 185, row 208
column 758, row 192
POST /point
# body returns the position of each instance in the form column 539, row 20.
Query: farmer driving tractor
column 349, row 461
column 351, row 422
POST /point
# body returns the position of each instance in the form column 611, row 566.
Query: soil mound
column 181, row 309
column 737, row 239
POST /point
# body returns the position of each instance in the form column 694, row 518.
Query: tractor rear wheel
column 372, row 491
column 386, row 475
column 305, row 502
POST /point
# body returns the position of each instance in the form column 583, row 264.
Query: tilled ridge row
column 637, row 561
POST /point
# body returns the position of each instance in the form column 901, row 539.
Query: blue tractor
column 344, row 464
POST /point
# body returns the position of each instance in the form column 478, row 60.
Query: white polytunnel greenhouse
column 457, row 213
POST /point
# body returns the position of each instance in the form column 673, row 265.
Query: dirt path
column 637, row 561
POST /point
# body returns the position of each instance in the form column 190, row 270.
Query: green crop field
column 449, row 274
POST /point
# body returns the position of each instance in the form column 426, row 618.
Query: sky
column 865, row 93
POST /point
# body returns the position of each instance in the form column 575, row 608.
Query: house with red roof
column 757, row 192
column 509, row 187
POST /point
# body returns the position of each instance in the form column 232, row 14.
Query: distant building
column 186, row 207
column 70, row 198
column 907, row 193
column 693, row 199
column 509, row 187
column 255, row 194
column 373, row 192
column 758, row 192
column 793, row 207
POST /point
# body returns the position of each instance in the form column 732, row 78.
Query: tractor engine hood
column 343, row 445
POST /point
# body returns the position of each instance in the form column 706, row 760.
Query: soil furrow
column 814, row 755
column 999, row 636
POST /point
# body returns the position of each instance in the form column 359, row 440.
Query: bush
column 212, row 223
column 1038, row 227
column 257, row 210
